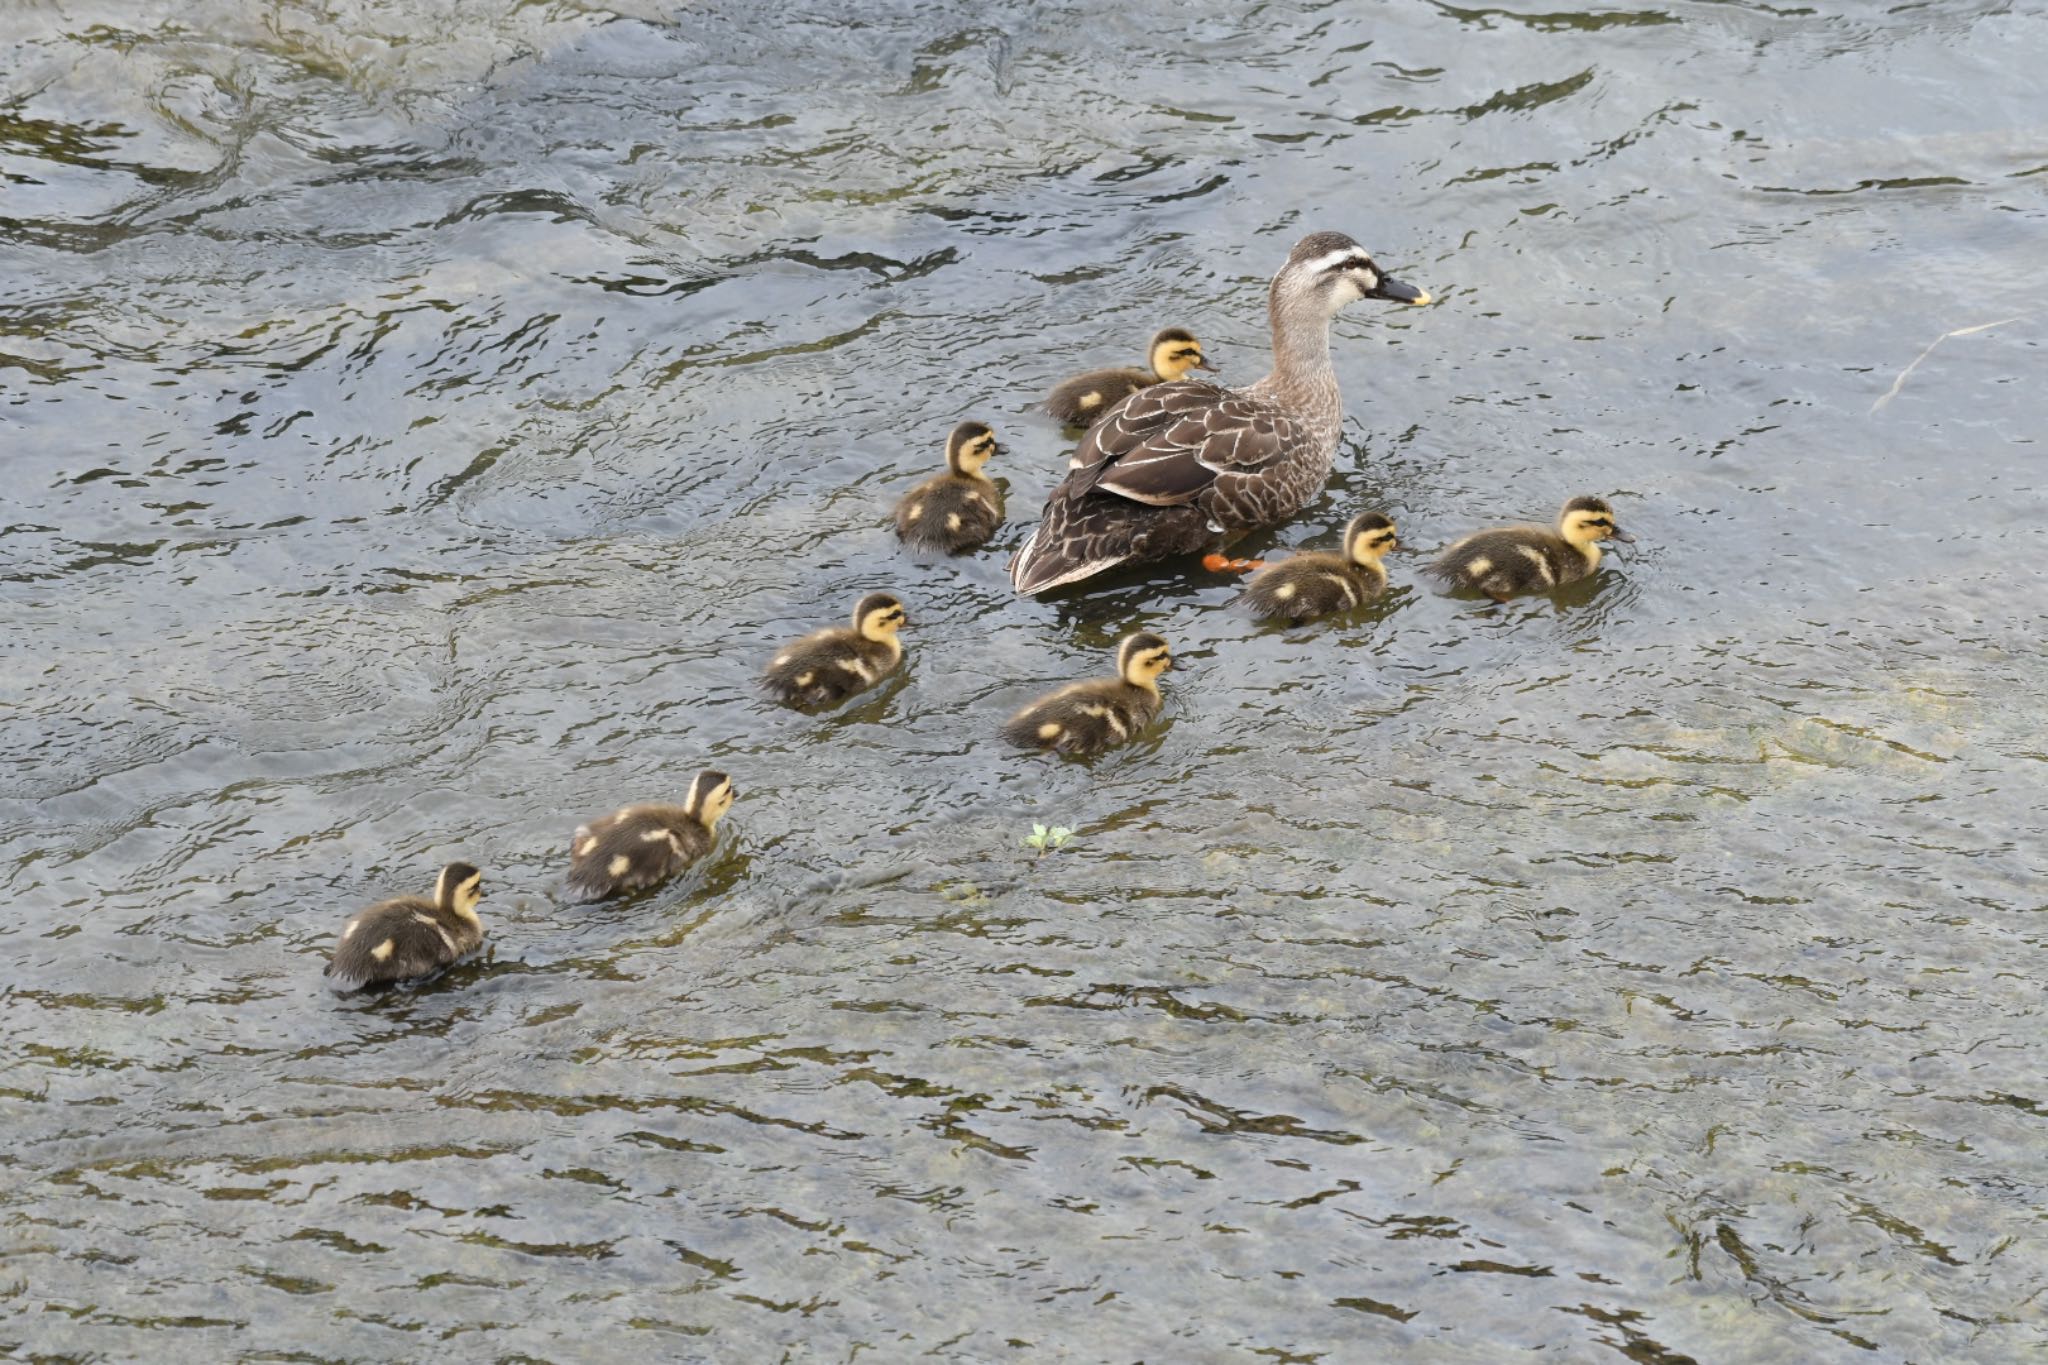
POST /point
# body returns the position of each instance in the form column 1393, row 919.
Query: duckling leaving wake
column 961, row 508
column 1510, row 560
column 640, row 846
column 1303, row 587
column 831, row 665
column 1088, row 717
column 408, row 938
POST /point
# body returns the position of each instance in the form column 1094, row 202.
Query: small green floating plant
column 1046, row 838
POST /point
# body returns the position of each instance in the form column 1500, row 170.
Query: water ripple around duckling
column 424, row 424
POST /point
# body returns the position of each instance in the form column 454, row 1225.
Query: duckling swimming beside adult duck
column 1305, row 586
column 1509, row 560
column 408, row 938
column 831, row 665
column 1088, row 717
column 1085, row 397
column 640, row 846
column 1180, row 468
column 961, row 508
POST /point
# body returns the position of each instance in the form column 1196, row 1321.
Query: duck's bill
column 1205, row 365
column 1394, row 291
column 1624, row 537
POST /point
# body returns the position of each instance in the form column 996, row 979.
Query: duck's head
column 1585, row 520
column 879, row 616
column 1141, row 657
column 970, row 447
column 710, row 798
column 1369, row 536
column 1174, row 352
column 1335, row 271
column 460, row 887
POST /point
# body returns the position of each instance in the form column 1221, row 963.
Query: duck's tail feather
column 1044, row 561
column 1078, row 539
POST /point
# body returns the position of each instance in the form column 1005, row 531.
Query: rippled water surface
column 421, row 418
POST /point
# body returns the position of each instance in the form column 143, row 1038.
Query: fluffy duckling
column 410, row 937
column 639, row 846
column 961, row 508
column 831, row 665
column 1085, row 397
column 1088, row 717
column 1516, row 559
column 1303, row 587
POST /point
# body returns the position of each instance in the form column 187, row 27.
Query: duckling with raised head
column 408, row 938
column 831, row 665
column 961, row 508
column 1088, row 717
column 1303, row 587
column 639, row 846
column 1085, row 397
column 1508, row 560
column 1180, row 468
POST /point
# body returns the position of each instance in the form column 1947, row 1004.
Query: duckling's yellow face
column 1145, row 657
column 1587, row 520
column 711, row 796
column 461, row 888
column 1175, row 353
column 972, row 446
column 881, row 616
column 1370, row 543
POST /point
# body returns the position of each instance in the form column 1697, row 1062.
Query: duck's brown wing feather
column 1150, row 477
column 1166, row 444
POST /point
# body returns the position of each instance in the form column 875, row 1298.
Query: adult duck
column 1180, row 468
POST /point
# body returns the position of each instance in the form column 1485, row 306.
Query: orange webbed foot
column 1215, row 563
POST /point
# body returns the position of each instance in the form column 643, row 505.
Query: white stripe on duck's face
column 1341, row 256
column 1349, row 275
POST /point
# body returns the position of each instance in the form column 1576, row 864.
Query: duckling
column 1085, row 397
column 1303, row 587
column 831, row 665
column 1088, row 717
column 961, row 508
column 410, row 937
column 638, row 846
column 1516, row 559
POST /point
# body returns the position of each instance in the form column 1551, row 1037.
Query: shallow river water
column 421, row 419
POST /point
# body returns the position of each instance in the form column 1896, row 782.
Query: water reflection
column 421, row 425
